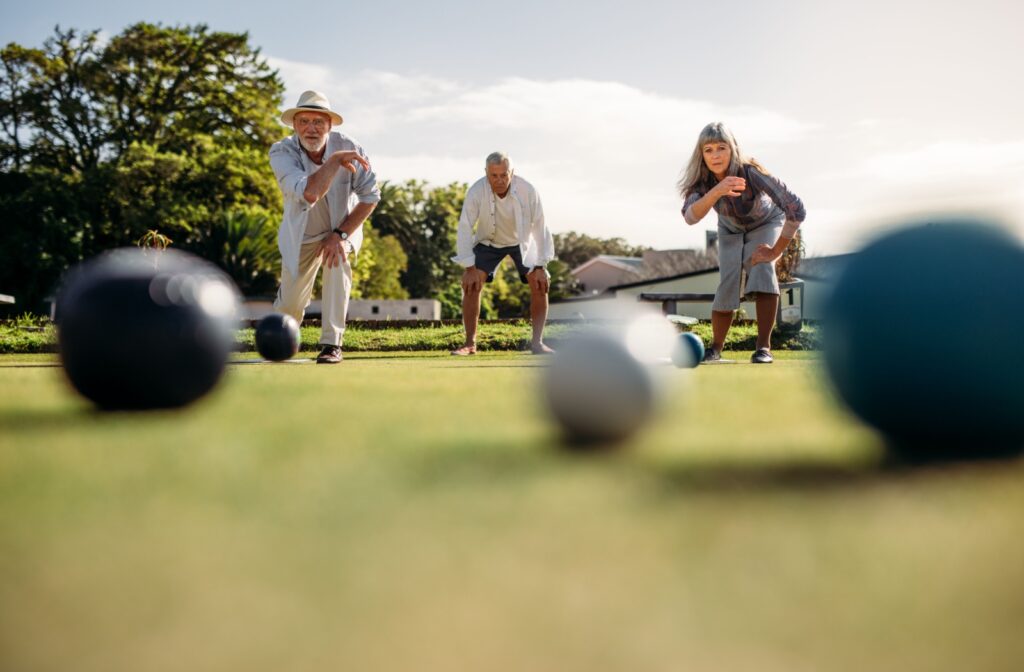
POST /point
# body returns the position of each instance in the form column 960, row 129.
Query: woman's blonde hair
column 696, row 172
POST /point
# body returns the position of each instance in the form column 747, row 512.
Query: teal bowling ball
column 923, row 336
column 689, row 351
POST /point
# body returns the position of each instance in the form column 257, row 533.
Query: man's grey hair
column 496, row 159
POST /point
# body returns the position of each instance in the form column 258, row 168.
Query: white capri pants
column 296, row 291
column 734, row 250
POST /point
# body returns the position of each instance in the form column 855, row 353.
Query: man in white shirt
column 502, row 217
column 324, row 210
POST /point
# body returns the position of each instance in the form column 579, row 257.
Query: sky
column 876, row 113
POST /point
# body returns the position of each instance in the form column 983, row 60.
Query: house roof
column 631, row 264
column 822, row 268
column 610, row 291
column 812, row 268
column 667, row 278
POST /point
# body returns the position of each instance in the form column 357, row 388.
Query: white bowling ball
column 650, row 338
column 598, row 391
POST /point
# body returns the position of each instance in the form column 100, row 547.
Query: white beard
column 310, row 146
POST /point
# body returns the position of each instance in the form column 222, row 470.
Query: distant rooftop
column 822, row 268
column 625, row 263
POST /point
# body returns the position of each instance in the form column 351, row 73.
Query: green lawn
column 414, row 511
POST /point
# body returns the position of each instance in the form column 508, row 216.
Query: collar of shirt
column 494, row 197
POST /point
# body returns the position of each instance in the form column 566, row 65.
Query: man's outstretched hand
column 348, row 158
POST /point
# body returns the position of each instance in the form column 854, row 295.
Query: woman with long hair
column 757, row 218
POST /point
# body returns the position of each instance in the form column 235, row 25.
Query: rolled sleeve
column 692, row 197
column 545, row 241
column 464, row 237
column 290, row 173
column 364, row 182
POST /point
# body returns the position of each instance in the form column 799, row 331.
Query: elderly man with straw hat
column 329, row 190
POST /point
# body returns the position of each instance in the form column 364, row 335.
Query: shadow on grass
column 795, row 476
column 499, row 463
column 41, row 421
column 874, row 465
column 294, row 360
column 46, row 420
column 485, row 365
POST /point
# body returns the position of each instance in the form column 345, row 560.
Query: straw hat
column 311, row 101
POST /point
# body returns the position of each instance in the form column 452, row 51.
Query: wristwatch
column 343, row 234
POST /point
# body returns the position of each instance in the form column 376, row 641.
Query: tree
column 577, row 248
column 244, row 244
column 20, row 76
column 511, row 297
column 160, row 128
column 389, row 261
column 83, row 103
column 424, row 221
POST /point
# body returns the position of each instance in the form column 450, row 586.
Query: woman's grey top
column 765, row 198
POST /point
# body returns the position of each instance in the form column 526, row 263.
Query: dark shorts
column 488, row 258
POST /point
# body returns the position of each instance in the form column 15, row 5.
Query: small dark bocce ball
column 923, row 340
column 689, row 351
column 144, row 329
column 277, row 337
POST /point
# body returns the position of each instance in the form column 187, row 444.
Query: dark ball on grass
column 277, row 337
column 689, row 351
column 923, row 340
column 145, row 329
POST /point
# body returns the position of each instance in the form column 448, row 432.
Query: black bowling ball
column 145, row 329
column 277, row 337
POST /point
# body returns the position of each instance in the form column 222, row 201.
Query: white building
column 619, row 299
column 360, row 309
column 817, row 273
column 605, row 270
column 394, row 309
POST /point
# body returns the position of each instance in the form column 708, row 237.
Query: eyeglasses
column 316, row 122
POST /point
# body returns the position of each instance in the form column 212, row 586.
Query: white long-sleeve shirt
column 292, row 166
column 477, row 222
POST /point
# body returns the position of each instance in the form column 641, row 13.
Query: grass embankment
column 29, row 335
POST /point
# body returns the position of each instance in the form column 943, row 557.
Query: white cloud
column 299, row 77
column 949, row 161
column 982, row 179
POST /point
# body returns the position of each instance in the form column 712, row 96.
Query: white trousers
column 294, row 295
